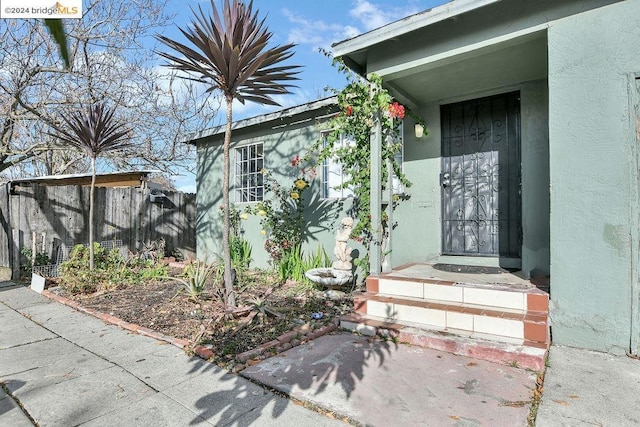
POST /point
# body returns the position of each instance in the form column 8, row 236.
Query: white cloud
column 317, row 33
column 372, row 16
column 368, row 15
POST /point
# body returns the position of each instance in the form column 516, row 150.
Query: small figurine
column 341, row 251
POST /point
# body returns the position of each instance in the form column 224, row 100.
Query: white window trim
column 251, row 191
column 334, row 166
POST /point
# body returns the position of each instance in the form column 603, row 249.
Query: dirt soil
column 272, row 308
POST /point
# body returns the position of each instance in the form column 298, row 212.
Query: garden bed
column 267, row 311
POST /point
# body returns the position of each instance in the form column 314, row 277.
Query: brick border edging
column 299, row 335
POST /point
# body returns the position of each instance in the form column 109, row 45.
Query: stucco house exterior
column 531, row 162
column 268, row 141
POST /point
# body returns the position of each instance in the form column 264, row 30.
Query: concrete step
column 472, row 320
column 528, row 355
column 497, row 296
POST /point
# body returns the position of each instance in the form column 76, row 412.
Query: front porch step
column 529, row 356
column 497, row 296
column 500, row 322
column 490, row 323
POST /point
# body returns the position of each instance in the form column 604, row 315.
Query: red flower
column 295, row 161
column 396, row 110
column 349, row 110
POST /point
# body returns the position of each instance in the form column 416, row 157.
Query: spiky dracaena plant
column 93, row 131
column 229, row 52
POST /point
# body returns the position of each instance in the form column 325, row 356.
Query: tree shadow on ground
column 324, row 373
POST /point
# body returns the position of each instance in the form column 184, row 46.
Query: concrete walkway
column 67, row 368
column 386, row 384
column 588, row 388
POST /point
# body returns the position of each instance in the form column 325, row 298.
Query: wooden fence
column 60, row 214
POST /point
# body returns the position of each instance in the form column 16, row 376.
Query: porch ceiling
column 487, row 67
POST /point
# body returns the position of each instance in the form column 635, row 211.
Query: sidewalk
column 67, row 368
column 587, row 388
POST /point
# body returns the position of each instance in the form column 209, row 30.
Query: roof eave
column 404, row 26
column 196, row 137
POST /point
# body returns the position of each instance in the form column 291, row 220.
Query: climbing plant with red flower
column 396, row 110
column 361, row 102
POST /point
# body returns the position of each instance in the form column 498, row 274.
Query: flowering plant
column 281, row 211
column 360, row 104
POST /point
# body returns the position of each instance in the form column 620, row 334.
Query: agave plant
column 229, row 53
column 93, row 131
column 196, row 276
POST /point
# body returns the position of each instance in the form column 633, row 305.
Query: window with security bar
column 249, row 182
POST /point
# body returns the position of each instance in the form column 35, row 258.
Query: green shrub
column 240, row 252
column 294, row 264
column 111, row 271
column 41, row 259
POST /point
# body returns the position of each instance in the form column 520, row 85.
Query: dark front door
column 480, row 177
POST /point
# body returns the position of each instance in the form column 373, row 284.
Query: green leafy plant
column 240, row 253
column 282, row 210
column 111, row 270
column 294, row 264
column 361, row 104
column 229, row 52
column 196, row 276
column 94, row 132
column 40, row 259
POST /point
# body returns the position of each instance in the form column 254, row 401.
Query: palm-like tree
column 229, row 53
column 93, row 131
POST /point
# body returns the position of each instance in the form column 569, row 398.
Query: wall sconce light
column 419, row 130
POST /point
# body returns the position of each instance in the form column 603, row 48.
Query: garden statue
column 340, row 273
column 341, row 251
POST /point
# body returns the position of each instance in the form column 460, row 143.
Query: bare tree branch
column 111, row 58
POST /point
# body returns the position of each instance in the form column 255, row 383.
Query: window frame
column 248, row 178
column 344, row 193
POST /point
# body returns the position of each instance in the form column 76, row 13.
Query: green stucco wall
column 592, row 175
column 283, row 140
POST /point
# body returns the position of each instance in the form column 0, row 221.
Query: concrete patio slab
column 585, row 387
column 21, row 297
column 59, row 318
column 85, row 371
column 45, row 363
column 152, row 411
column 166, row 366
column 92, row 395
column 16, row 330
column 219, row 397
column 10, row 412
column 279, row 411
column 381, row 383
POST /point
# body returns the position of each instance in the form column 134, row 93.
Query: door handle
column 445, row 179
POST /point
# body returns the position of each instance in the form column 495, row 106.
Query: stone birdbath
column 339, row 274
column 328, row 276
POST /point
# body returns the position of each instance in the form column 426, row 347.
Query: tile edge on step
column 516, row 355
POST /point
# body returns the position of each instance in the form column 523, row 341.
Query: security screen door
column 480, row 177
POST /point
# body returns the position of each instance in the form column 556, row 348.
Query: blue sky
column 311, row 25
